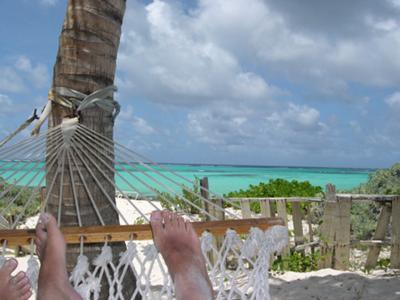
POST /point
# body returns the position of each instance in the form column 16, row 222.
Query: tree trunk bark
column 86, row 62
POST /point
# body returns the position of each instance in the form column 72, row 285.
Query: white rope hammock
column 83, row 159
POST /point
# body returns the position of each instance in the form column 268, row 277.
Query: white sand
column 328, row 284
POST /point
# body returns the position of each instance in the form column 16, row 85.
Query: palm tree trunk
column 86, row 62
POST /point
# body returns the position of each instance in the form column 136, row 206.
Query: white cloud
column 48, row 2
column 393, row 100
column 237, row 68
column 141, row 126
column 37, row 74
column 9, row 106
column 10, row 81
column 169, row 61
column 18, row 76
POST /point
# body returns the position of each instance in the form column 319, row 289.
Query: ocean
column 222, row 178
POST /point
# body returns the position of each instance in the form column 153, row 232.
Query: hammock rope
column 83, row 161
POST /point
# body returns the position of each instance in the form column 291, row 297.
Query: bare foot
column 15, row 287
column 179, row 245
column 50, row 247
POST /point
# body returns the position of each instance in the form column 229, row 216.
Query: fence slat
column 245, row 205
column 297, row 223
column 380, row 232
column 282, row 213
column 343, row 222
column 395, row 253
column 328, row 229
column 265, row 208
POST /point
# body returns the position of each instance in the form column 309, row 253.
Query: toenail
column 44, row 218
column 156, row 215
column 11, row 263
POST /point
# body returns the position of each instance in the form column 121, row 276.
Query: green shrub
column 277, row 188
column 383, row 181
column 297, row 262
column 364, row 215
column 18, row 206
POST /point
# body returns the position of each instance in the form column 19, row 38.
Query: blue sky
column 306, row 83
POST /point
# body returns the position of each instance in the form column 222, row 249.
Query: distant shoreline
column 266, row 166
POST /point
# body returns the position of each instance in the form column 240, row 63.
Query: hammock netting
column 72, row 165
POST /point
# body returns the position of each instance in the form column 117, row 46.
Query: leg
column 180, row 247
column 53, row 277
column 15, row 287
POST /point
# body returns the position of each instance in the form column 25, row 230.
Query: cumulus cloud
column 142, row 126
column 130, row 119
column 48, row 2
column 37, row 74
column 166, row 60
column 254, row 72
column 18, row 76
column 10, row 81
column 393, row 100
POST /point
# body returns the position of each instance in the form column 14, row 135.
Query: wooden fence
column 334, row 234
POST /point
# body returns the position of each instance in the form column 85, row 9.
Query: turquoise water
column 222, row 179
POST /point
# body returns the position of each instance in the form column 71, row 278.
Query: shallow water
column 222, row 178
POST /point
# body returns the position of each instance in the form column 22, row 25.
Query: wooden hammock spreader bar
column 120, row 233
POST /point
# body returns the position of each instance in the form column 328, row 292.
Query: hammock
column 73, row 162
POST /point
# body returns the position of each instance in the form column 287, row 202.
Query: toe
column 50, row 223
column 156, row 221
column 167, row 218
column 27, row 295
column 189, row 227
column 23, row 283
column 180, row 222
column 173, row 218
column 9, row 266
column 24, row 289
column 41, row 233
column 19, row 277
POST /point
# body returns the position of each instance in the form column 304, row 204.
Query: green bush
column 297, row 262
column 383, row 181
column 18, row 206
column 277, row 188
column 364, row 216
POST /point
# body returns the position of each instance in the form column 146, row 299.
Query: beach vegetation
column 364, row 216
column 297, row 262
column 185, row 201
column 277, row 188
column 18, row 200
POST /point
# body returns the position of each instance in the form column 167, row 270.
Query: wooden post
column 342, row 233
column 380, row 232
column 310, row 229
column 215, row 212
column 297, row 223
column 42, row 196
column 282, row 213
column 245, row 205
column 327, row 237
column 395, row 251
column 265, row 208
column 204, row 194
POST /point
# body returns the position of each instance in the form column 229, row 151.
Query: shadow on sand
column 345, row 286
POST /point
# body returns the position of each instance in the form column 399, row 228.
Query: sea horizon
column 223, row 178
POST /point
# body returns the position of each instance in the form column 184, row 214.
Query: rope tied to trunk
column 77, row 101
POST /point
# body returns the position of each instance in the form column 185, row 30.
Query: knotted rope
column 77, row 101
